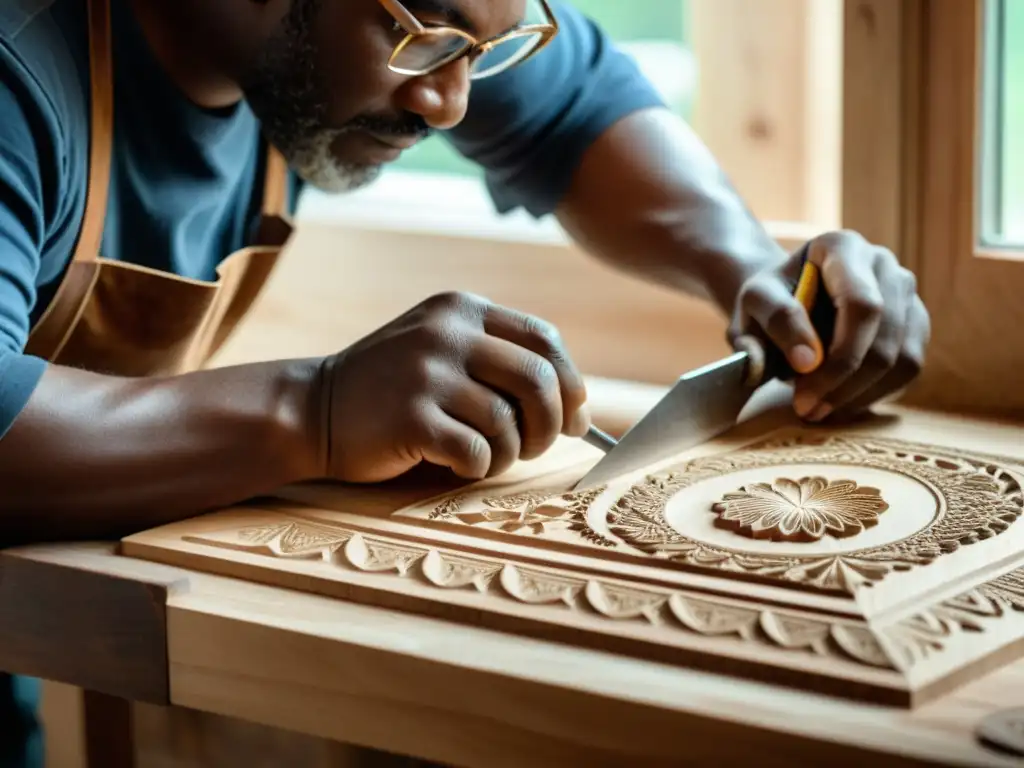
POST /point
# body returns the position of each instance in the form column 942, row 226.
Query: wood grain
column 473, row 697
column 913, row 181
column 906, row 580
column 769, row 101
column 67, row 619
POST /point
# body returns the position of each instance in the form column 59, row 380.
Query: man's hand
column 456, row 381
column 881, row 328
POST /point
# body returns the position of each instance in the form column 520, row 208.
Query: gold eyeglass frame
column 414, row 29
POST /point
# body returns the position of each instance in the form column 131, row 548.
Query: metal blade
column 700, row 406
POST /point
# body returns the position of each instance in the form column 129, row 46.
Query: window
column 1001, row 209
column 933, row 162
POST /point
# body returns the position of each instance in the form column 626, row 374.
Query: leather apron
column 123, row 319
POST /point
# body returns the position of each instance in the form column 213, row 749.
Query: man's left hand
column 881, row 328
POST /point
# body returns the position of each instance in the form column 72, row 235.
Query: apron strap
column 275, row 187
column 101, row 133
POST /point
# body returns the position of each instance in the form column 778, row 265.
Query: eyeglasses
column 426, row 49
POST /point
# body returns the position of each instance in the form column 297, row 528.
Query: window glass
column 1001, row 211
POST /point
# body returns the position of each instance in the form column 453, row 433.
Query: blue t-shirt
column 186, row 182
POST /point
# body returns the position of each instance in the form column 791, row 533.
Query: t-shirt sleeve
column 529, row 127
column 23, row 231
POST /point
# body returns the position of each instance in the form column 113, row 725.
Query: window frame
column 914, row 72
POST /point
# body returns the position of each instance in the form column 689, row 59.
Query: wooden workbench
column 83, row 615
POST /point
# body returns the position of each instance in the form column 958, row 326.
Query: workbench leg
column 108, row 731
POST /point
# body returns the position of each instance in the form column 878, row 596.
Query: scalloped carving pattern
column 900, row 646
column 923, row 635
column 704, row 615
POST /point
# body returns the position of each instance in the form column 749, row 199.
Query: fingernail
column 820, row 413
column 804, row 403
column 580, row 422
column 802, row 358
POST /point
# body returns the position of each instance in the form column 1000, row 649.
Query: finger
column 532, row 384
column 491, row 415
column 850, row 281
column 897, row 288
column 907, row 368
column 775, row 310
column 543, row 339
column 448, row 442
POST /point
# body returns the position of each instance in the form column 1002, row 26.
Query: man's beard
column 287, row 94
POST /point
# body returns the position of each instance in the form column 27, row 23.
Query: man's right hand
column 456, row 381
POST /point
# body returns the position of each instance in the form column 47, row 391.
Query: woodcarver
column 151, row 152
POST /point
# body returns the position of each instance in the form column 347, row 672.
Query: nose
column 440, row 98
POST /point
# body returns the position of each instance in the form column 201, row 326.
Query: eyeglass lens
column 504, row 55
column 428, row 52
column 439, row 47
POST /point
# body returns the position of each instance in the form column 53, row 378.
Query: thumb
column 787, row 325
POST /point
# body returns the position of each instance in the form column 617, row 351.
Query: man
column 148, row 149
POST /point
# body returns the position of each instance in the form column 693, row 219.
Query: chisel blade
column 700, row 406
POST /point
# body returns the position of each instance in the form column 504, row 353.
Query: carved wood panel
column 863, row 562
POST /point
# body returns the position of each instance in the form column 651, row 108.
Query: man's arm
column 83, row 454
column 578, row 132
column 650, row 198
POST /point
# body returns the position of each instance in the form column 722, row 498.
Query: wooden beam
column 769, row 99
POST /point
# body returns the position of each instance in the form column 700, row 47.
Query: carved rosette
column 977, row 500
column 801, row 510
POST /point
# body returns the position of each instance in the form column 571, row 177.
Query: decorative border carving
column 299, row 538
column 978, row 500
column 898, row 647
column 921, row 636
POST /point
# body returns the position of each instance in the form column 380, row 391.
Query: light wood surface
column 769, row 101
column 472, row 696
column 878, row 560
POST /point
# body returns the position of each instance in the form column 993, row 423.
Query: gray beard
column 285, row 94
column 311, row 158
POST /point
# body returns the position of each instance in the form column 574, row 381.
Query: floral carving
column 530, row 512
column 977, row 498
column 801, row 510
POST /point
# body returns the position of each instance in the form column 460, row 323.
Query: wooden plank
column 65, row 618
column 477, row 698
column 880, row 95
column 485, row 699
column 768, row 101
column 643, row 567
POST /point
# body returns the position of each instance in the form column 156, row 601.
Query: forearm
column 650, row 198
column 95, row 456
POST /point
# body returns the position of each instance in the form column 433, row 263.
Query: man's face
column 322, row 89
